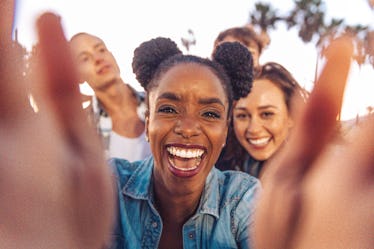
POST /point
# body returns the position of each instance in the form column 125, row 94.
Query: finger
column 6, row 20
column 90, row 182
column 60, row 77
column 60, row 90
column 282, row 195
column 317, row 123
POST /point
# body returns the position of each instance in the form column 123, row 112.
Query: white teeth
column 198, row 160
column 261, row 141
column 185, row 153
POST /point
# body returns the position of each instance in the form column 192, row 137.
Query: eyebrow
column 169, row 96
column 261, row 107
column 203, row 101
column 95, row 47
column 207, row 101
column 99, row 44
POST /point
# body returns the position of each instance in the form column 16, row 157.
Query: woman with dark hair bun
column 177, row 198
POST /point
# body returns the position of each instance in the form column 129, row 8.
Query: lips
column 259, row 142
column 103, row 69
column 185, row 160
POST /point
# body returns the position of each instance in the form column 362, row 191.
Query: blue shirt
column 222, row 219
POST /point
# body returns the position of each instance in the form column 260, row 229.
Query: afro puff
column 238, row 64
column 149, row 55
column 232, row 64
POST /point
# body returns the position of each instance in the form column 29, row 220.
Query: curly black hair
column 232, row 64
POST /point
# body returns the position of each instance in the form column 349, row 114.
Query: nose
column 187, row 127
column 254, row 125
column 98, row 59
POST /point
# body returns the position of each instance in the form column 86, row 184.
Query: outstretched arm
column 55, row 187
column 318, row 194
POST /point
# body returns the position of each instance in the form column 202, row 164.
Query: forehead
column 263, row 92
column 85, row 42
column 190, row 79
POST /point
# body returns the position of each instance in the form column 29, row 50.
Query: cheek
column 219, row 134
column 86, row 72
column 279, row 129
column 155, row 127
column 240, row 129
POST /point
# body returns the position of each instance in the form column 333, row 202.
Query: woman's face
column 186, row 125
column 262, row 120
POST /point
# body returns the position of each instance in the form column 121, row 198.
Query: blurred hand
column 56, row 190
column 319, row 193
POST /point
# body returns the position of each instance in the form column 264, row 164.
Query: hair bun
column 149, row 55
column 238, row 64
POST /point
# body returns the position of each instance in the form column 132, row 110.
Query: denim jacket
column 222, row 219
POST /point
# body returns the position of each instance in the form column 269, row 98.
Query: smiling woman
column 262, row 120
column 170, row 200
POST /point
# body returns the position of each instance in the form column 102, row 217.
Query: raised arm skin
column 56, row 190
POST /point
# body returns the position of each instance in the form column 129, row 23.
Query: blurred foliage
column 309, row 18
column 189, row 41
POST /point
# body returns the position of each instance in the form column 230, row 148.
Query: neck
column 176, row 207
column 117, row 97
column 121, row 105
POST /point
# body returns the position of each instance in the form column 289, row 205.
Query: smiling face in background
column 187, row 125
column 262, row 120
column 95, row 63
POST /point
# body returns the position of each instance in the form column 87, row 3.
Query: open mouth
column 184, row 160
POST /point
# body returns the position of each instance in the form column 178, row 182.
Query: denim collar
column 139, row 186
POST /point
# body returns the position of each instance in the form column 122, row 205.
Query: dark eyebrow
column 240, row 108
column 203, row 101
column 268, row 106
column 208, row 101
column 169, row 95
column 261, row 107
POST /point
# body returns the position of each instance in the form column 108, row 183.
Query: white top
column 132, row 149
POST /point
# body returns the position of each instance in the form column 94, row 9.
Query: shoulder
column 123, row 169
column 237, row 185
column 238, row 193
column 236, row 178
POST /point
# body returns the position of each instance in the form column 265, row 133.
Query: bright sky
column 123, row 25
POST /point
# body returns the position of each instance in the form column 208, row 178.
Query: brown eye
column 267, row 115
column 166, row 109
column 212, row 115
column 241, row 116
